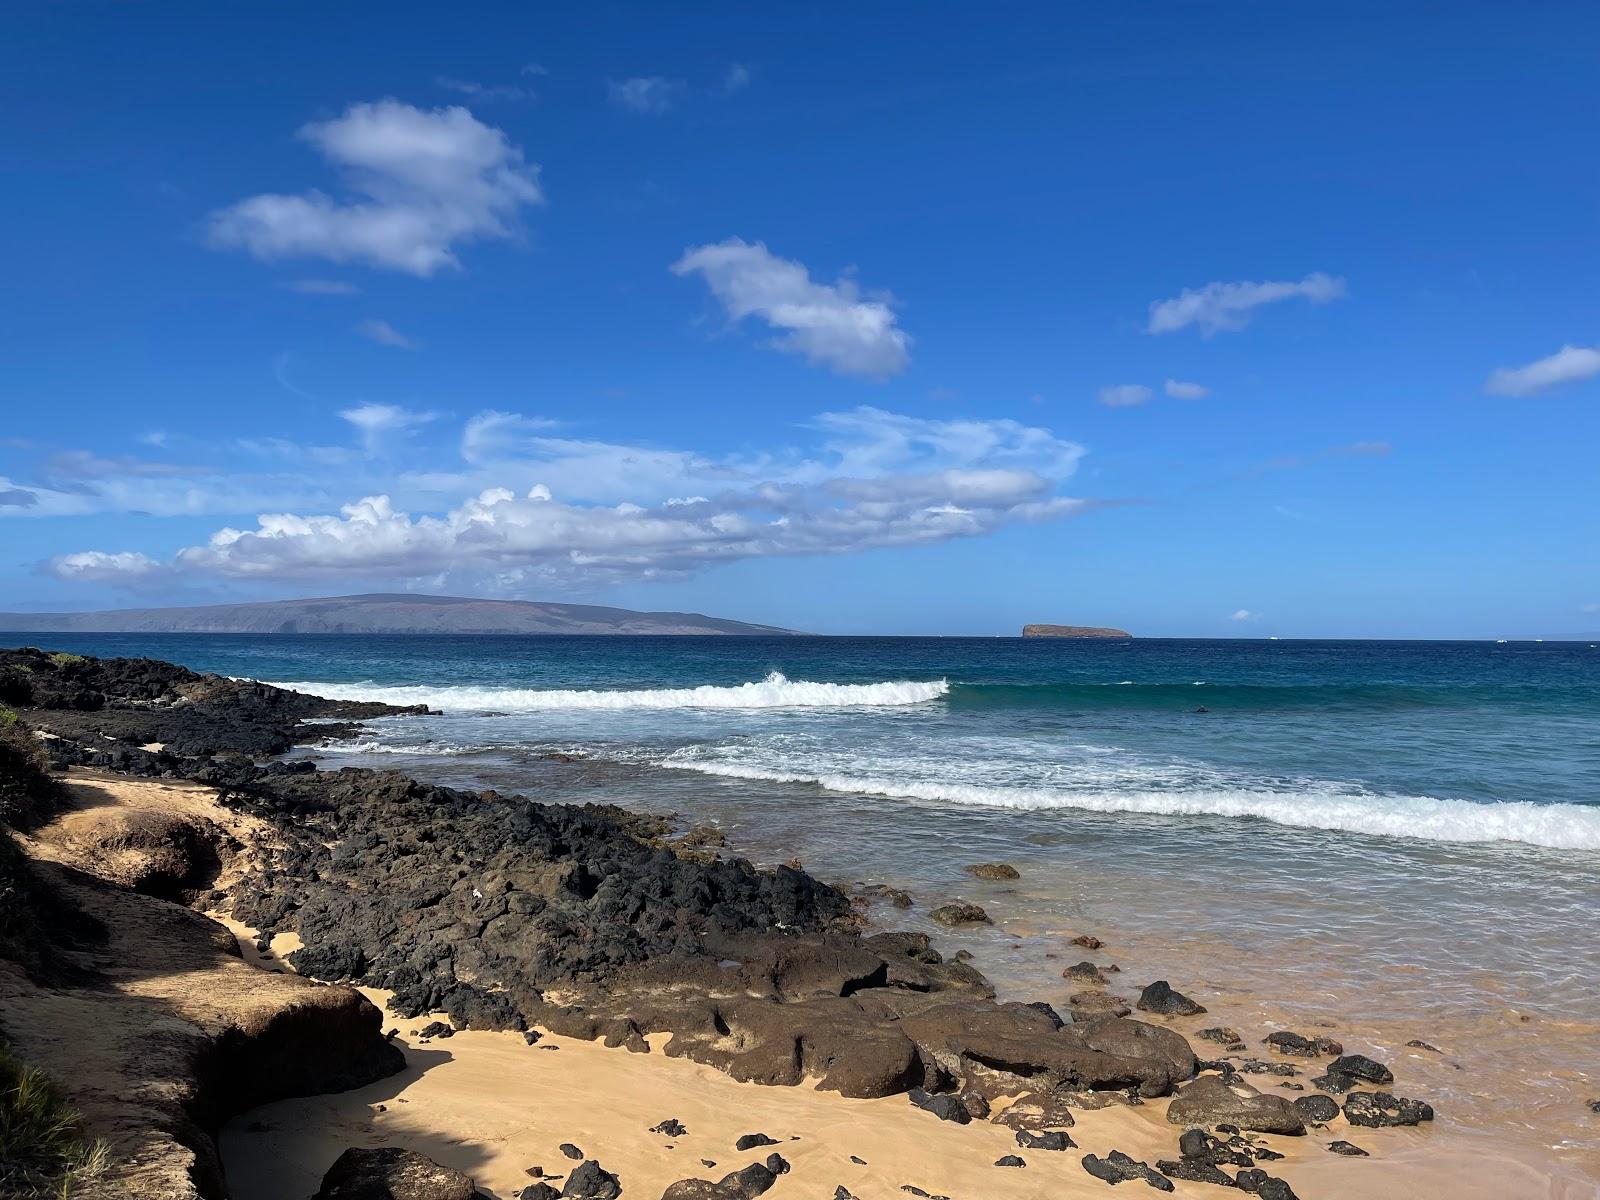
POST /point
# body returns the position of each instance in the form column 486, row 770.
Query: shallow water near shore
column 1396, row 841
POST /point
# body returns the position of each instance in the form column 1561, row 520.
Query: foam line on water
column 1560, row 826
column 775, row 691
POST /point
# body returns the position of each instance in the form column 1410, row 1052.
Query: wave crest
column 775, row 691
column 1558, row 826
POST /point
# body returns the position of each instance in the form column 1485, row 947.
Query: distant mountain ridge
column 385, row 613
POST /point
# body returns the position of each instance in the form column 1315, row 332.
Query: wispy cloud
column 650, row 94
column 420, row 182
column 735, row 79
column 1125, row 395
column 322, row 287
column 1569, row 364
column 377, row 422
column 1227, row 307
column 385, row 334
column 1179, row 390
column 1244, row 614
column 876, row 480
column 829, row 324
column 486, row 92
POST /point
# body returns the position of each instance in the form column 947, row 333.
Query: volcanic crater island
column 228, row 973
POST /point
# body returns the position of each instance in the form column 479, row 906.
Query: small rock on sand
column 1348, row 1149
column 1118, row 1167
column 751, row 1140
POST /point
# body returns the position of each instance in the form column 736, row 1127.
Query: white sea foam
column 775, row 691
column 1315, row 806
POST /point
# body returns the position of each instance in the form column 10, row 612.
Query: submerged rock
column 997, row 871
column 1359, row 1066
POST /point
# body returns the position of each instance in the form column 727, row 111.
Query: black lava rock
column 1118, row 1167
column 570, row 1151
column 1159, row 997
column 945, row 1107
column 1348, row 1149
column 1054, row 1140
column 1317, row 1110
column 590, row 1181
column 1010, row 1160
column 1378, row 1110
column 671, row 1127
column 751, row 1140
column 1359, row 1066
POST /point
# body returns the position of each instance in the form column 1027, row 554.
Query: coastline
column 486, row 1093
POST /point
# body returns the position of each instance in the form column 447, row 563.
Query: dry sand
column 491, row 1106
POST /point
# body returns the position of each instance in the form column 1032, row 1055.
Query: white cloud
column 649, row 94
column 1220, row 307
column 879, row 480
column 322, row 287
column 735, row 79
column 1244, row 614
column 1591, row 608
column 829, row 324
column 1125, row 395
column 96, row 566
column 376, row 422
column 1567, row 365
column 384, row 334
column 1179, row 390
column 420, row 182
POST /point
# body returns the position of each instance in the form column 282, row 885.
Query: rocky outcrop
column 156, row 1029
column 1212, row 1101
column 1074, row 631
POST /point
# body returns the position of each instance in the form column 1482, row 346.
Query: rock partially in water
column 1287, row 1042
column 960, row 913
column 1223, row 1035
column 1359, row 1066
column 1419, row 1044
column 1378, row 1110
column 1159, row 997
column 1348, row 1149
column 1210, row 1100
column 391, row 1173
column 1085, row 972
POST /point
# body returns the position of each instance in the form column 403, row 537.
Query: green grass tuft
column 44, row 1151
column 8, row 717
column 61, row 658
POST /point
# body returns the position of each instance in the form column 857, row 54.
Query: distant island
column 385, row 613
column 1074, row 631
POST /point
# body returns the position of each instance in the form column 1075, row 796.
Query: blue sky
column 1218, row 320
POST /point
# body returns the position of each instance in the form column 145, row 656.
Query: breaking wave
column 775, row 691
column 1318, row 806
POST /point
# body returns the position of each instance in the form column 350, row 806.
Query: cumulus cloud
column 830, row 324
column 1179, row 390
column 419, row 183
column 96, row 566
column 1125, row 395
column 1226, row 307
column 384, row 334
column 878, row 480
column 646, row 94
column 1244, row 614
column 1567, row 365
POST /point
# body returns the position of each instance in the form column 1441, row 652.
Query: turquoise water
column 1459, row 742
column 1399, row 840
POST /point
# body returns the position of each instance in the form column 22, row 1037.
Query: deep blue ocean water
column 1394, row 839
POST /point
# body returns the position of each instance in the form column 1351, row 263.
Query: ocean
column 1400, row 840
